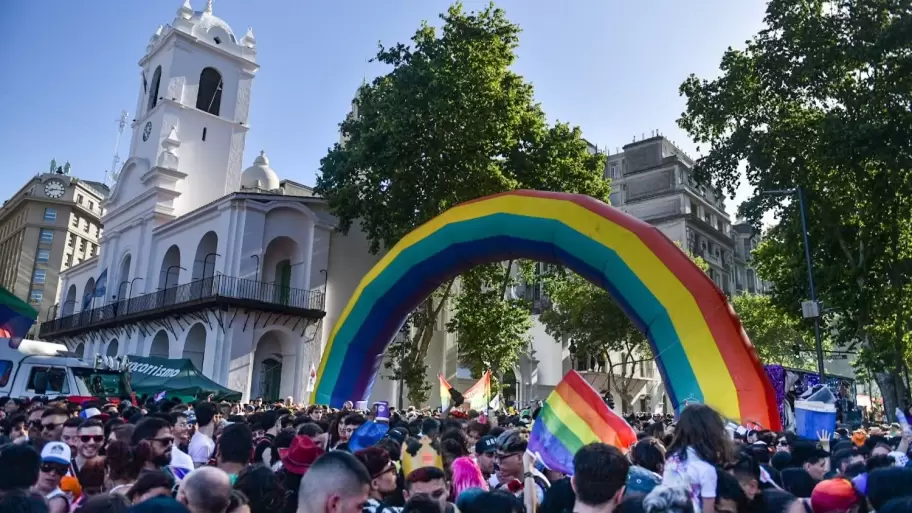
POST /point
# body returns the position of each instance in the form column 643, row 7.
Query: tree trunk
column 891, row 387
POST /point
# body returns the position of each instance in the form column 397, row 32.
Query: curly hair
column 668, row 499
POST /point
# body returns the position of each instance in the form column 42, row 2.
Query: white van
column 43, row 368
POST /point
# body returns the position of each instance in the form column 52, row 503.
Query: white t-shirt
column 694, row 473
column 200, row 449
column 180, row 459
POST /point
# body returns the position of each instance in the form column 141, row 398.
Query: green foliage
column 820, row 99
column 492, row 330
column 777, row 335
column 449, row 122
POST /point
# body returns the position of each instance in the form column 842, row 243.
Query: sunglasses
column 91, row 438
column 50, row 427
column 35, row 424
column 60, row 469
column 166, row 441
column 783, row 443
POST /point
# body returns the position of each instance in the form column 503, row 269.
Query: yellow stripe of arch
column 708, row 365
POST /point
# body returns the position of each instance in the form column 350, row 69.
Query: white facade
column 185, row 224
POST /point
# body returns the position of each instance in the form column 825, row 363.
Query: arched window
column 209, row 97
column 153, row 91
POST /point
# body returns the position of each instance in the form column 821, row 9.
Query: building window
column 79, row 199
column 86, row 229
column 209, row 96
column 82, row 245
column 50, row 214
column 153, row 91
column 75, row 221
column 6, row 372
column 69, row 261
column 43, row 256
column 46, row 235
column 35, row 296
column 39, row 276
column 71, row 240
column 91, row 205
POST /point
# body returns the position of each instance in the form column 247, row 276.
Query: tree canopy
column 820, row 99
column 450, row 122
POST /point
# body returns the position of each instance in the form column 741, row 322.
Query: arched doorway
column 123, row 280
column 195, row 345
column 159, row 347
column 701, row 349
column 88, row 294
column 113, row 348
column 169, row 275
column 279, row 264
column 69, row 303
column 273, row 372
column 204, row 265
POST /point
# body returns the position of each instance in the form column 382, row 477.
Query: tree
column 491, row 326
column 819, row 99
column 449, row 122
column 598, row 329
column 778, row 336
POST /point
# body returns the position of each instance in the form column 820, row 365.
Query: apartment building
column 652, row 180
column 50, row 224
column 746, row 241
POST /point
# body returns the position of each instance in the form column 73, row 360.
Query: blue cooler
column 814, row 416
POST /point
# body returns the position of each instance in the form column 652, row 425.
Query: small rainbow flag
column 478, row 396
column 444, row 391
column 16, row 318
column 573, row 416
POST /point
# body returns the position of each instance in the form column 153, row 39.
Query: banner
column 312, row 378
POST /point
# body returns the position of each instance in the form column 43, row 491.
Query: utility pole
column 809, row 309
column 121, row 124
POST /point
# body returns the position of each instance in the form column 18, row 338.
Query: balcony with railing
column 212, row 292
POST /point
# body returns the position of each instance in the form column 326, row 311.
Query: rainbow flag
column 444, row 391
column 575, row 415
column 16, row 318
column 480, row 393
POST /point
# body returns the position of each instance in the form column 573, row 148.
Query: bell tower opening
column 209, row 97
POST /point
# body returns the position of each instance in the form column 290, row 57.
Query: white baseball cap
column 56, row 452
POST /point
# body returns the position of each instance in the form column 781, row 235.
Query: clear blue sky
column 609, row 66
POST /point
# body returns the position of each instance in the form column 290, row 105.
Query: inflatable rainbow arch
column 702, row 352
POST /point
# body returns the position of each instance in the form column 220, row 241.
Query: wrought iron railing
column 206, row 289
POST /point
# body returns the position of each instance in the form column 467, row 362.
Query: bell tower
column 191, row 123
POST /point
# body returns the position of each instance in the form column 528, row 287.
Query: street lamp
column 812, row 309
column 168, row 273
column 130, row 291
column 256, row 275
column 205, row 259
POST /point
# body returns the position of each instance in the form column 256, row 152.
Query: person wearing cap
column 485, row 449
column 382, row 472
column 297, row 458
column 836, row 495
column 55, row 463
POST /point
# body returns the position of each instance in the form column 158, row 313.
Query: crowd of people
column 207, row 457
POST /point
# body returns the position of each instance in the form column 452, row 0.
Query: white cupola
column 260, row 176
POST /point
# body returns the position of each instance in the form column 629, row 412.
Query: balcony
column 218, row 291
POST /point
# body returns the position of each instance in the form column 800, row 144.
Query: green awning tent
column 177, row 378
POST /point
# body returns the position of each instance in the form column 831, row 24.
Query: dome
column 208, row 22
column 260, row 175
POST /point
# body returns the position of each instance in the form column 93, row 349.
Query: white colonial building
column 232, row 268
